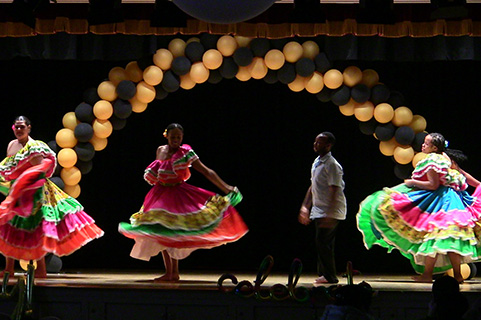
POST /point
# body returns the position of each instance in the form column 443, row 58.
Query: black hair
column 22, row 118
column 330, row 137
column 456, row 155
column 174, row 126
column 438, row 141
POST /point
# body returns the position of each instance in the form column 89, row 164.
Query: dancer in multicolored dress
column 37, row 217
column 177, row 218
column 431, row 219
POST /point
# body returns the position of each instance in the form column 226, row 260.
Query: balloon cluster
column 211, row 58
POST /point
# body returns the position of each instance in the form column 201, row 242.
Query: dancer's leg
column 456, row 263
column 171, row 268
column 427, row 275
column 41, row 271
column 9, row 266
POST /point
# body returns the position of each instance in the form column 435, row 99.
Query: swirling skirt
column 181, row 219
column 421, row 223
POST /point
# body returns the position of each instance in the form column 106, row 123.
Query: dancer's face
column 174, row 138
column 21, row 130
column 428, row 146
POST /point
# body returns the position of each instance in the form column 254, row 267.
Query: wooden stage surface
column 107, row 294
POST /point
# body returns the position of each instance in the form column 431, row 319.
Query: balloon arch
column 210, row 58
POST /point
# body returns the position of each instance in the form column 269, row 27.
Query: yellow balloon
column 145, row 92
column 71, row 176
column 403, row 154
column 153, row 75
column 133, row 71
column 67, row 157
column 258, row 68
column 310, row 49
column 186, row 82
column 465, row 271
column 199, row 73
column 418, row 157
column 226, row 45
column 70, row 121
column 177, row 47
column 103, row 109
column 274, row 59
column 387, row 147
column 352, row 76
column 24, row 264
column 293, row 51
column 315, row 83
column 298, row 84
column 73, row 191
column 163, row 59
column 370, row 78
column 102, row 128
column 418, row 124
column 65, row 138
column 98, row 143
column 242, row 41
column 364, row 111
column 117, row 74
column 138, row 106
column 348, row 108
column 212, row 59
column 106, row 91
column 193, row 39
column 243, row 74
column 383, row 113
column 333, row 79
column 403, row 116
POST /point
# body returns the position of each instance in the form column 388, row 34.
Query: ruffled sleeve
column 183, row 158
column 13, row 165
column 442, row 166
column 151, row 173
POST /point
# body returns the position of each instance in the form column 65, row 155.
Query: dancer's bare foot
column 460, row 279
column 323, row 280
column 423, row 279
column 167, row 278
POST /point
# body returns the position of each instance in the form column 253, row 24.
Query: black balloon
column 91, row 96
column 122, row 109
column 279, row 43
column 53, row 145
column 84, row 166
column 324, row 95
column 229, row 68
column 260, row 46
column 418, row 141
column 170, row 82
column 404, row 135
column 194, row 51
column 379, row 94
column 385, row 131
column 58, row 182
column 368, row 127
column 145, row 62
column 243, row 56
column 305, row 67
column 271, row 76
column 341, row 95
column 181, row 66
column 403, row 171
column 85, row 151
column 83, row 132
column 117, row 123
column 396, row 99
column 84, row 112
column 287, row 73
column 214, row 76
column 360, row 93
column 126, row 89
column 209, row 41
column 322, row 62
column 160, row 92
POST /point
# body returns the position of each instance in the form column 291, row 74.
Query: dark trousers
column 325, row 237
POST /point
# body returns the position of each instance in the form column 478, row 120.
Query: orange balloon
column 73, row 191
column 186, row 82
column 370, row 78
column 199, row 73
column 138, row 106
column 274, row 59
column 364, row 111
column 315, row 83
column 163, row 59
column 177, row 47
column 310, row 49
column 145, row 92
column 258, row 68
column 403, row 155
column 102, row 128
column 117, row 74
column 403, row 116
column 243, row 74
column 387, row 147
column 293, row 51
column 348, row 108
column 153, row 75
column 333, row 79
column 298, row 84
column 133, row 71
column 65, row 138
column 418, row 124
column 242, row 41
column 352, row 76
column 103, row 109
column 70, row 121
column 71, row 176
column 67, row 157
column 383, row 113
column 226, row 45
column 418, row 157
column 98, row 143
column 212, row 59
column 107, row 91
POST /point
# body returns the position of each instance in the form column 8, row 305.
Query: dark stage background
column 254, row 135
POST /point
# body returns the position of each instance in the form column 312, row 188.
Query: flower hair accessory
column 165, row 133
column 446, row 143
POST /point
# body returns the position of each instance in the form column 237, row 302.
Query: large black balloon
column 84, row 166
column 229, row 68
column 126, row 89
column 287, row 73
column 160, row 92
column 341, row 95
column 305, row 67
column 209, row 41
column 83, row 132
column 418, row 141
column 380, row 93
column 271, row 77
column 117, row 123
column 243, row 56
column 85, row 151
column 91, row 96
column 58, row 182
column 194, row 51
column 322, row 62
column 324, row 95
column 368, row 127
column 214, row 76
column 403, row 171
column 122, row 109
column 84, row 112
column 396, row 99
column 360, row 93
column 170, row 82
column 404, row 135
column 385, row 131
column 260, row 46
column 181, row 66
column 52, row 144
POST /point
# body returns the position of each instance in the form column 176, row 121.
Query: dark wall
column 254, row 135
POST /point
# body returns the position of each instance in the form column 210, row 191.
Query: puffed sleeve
column 151, row 173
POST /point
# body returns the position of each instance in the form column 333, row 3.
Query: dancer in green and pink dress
column 37, row 217
column 177, row 218
column 430, row 219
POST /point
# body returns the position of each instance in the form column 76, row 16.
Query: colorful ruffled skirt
column 50, row 221
column 180, row 219
column 421, row 223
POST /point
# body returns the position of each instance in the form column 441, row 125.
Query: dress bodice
column 442, row 166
